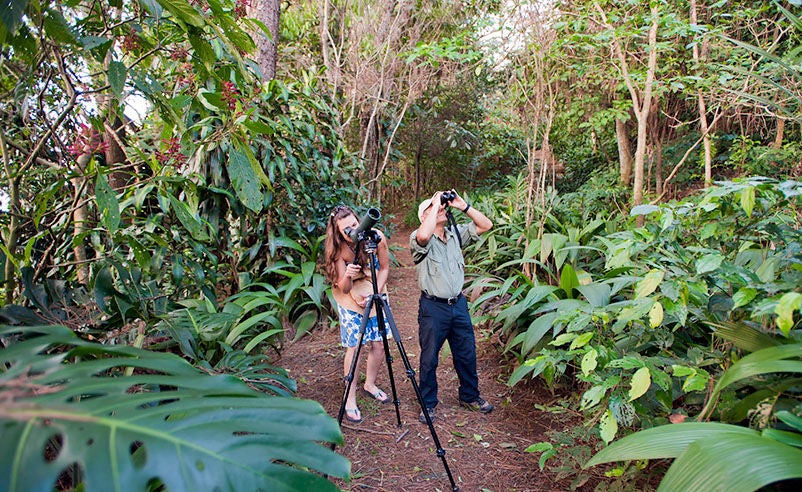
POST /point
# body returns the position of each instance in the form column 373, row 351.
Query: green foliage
column 249, row 320
column 623, row 314
column 749, row 157
column 566, row 451
column 227, row 181
column 753, row 460
column 72, row 416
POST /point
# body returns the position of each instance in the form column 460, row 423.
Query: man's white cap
column 423, row 206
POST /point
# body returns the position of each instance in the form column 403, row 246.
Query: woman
column 347, row 269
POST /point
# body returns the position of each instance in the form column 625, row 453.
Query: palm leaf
column 68, row 406
column 764, row 361
column 744, row 336
column 732, row 463
column 667, row 441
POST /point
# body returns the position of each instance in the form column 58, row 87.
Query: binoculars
column 447, row 196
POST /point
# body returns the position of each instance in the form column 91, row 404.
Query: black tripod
column 370, row 238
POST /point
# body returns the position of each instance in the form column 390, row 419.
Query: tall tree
column 641, row 96
column 381, row 56
column 268, row 15
column 700, row 54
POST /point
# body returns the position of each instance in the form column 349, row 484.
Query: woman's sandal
column 357, row 415
column 379, row 395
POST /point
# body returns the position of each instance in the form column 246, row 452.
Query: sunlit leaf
column 589, row 361
column 649, row 283
column 748, row 199
column 744, row 296
column 592, row 396
column 640, row 383
column 656, row 315
column 789, row 303
column 608, row 426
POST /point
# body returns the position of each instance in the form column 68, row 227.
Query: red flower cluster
column 179, row 53
column 87, row 141
column 241, row 9
column 230, row 94
column 187, row 77
column 130, row 42
column 172, row 153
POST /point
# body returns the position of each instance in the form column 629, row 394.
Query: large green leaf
column 667, row 441
column 744, row 336
column 69, row 406
column 598, row 295
column 245, row 180
column 183, row 11
column 107, row 203
column 764, row 361
column 732, row 463
column 568, row 280
column 189, row 219
column 11, row 14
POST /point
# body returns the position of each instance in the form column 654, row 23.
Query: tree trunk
column 11, row 236
column 114, row 137
column 703, row 123
column 641, row 100
column 268, row 12
column 80, row 219
column 371, row 143
column 643, row 113
column 624, row 151
column 330, row 48
column 778, row 138
column 658, row 167
column 114, row 128
column 417, row 180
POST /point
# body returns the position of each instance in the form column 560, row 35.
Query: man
column 443, row 310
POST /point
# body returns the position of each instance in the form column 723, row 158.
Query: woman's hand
column 352, row 270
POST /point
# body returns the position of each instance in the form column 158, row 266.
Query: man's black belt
column 446, row 300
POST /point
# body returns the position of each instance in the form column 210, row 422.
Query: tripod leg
column 441, row 453
column 349, row 379
column 381, row 308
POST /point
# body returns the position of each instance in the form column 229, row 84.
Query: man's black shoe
column 422, row 417
column 479, row 404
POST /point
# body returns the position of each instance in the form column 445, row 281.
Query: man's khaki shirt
column 440, row 264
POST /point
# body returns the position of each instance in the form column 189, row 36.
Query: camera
column 447, row 196
column 371, row 218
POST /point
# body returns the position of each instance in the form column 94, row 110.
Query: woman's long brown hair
column 335, row 242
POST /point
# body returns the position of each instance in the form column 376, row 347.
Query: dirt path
column 483, row 452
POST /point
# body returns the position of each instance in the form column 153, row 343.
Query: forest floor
column 483, row 452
